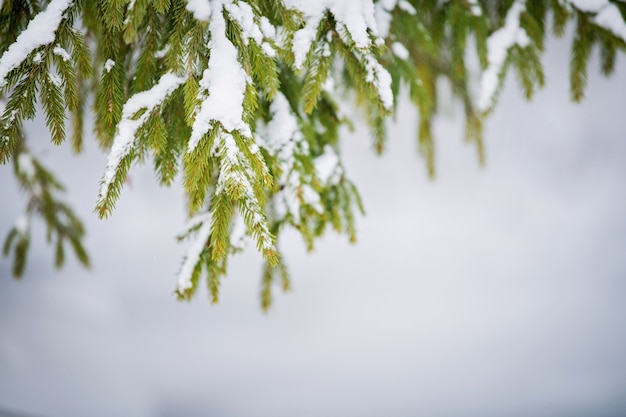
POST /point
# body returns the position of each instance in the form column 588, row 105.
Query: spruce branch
column 244, row 99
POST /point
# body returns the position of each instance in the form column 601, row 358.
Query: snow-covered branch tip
column 356, row 16
column 607, row 15
column 135, row 113
column 40, row 31
column 200, row 226
column 223, row 85
column 498, row 45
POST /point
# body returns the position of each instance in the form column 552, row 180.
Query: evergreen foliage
column 243, row 100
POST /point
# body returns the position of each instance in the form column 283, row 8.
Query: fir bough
column 243, row 100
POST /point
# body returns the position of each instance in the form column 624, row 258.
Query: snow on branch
column 225, row 81
column 380, row 77
column 607, row 15
column 234, row 178
column 383, row 11
column 39, row 32
column 283, row 139
column 130, row 123
column 201, row 9
column 242, row 13
column 355, row 15
column 327, row 166
column 203, row 221
column 498, row 45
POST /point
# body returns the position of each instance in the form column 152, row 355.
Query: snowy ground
column 489, row 292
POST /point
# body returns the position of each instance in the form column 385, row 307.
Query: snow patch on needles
column 39, row 32
column 21, row 224
column 355, row 20
column 195, row 249
column 282, row 138
column 128, row 126
column 607, row 15
column 242, row 13
column 303, row 39
column 475, row 8
column 357, row 16
column 282, row 132
column 381, row 78
column 383, row 16
column 61, row 52
column 407, row 7
column 400, row 50
column 108, row 65
column 225, row 82
column 498, row 45
column 591, row 6
column 26, row 165
column 327, row 166
column 234, row 176
column 201, row 9
column 610, row 18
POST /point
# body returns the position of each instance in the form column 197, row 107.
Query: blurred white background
column 495, row 291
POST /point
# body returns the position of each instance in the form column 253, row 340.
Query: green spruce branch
column 151, row 70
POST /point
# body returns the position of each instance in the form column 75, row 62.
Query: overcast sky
column 495, row 291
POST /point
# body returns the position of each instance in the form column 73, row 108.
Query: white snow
column 283, row 138
column 26, row 165
column 383, row 16
column 329, row 85
column 11, row 118
column 58, row 50
column 475, row 8
column 55, row 79
column 162, row 52
column 302, row 40
column 399, row 50
column 21, row 224
column 201, row 9
column 37, row 58
column 607, row 15
column 354, row 18
column 381, row 78
column 269, row 31
column 237, row 180
column 591, row 6
column 127, row 127
column 311, row 197
column 40, row 31
column 282, row 204
column 498, row 45
column 108, row 65
column 282, row 132
column 225, row 81
column 195, row 250
column 610, row 18
column 327, row 166
column 407, row 7
column 242, row 13
column 268, row 49
column 357, row 16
